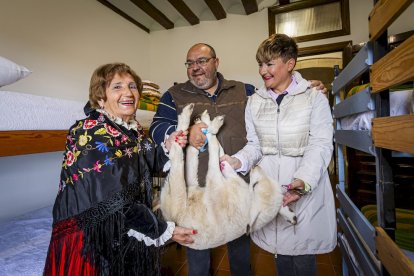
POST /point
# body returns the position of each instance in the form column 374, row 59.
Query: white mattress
column 20, row 111
column 401, row 102
column 24, row 242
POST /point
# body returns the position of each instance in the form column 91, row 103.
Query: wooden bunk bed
column 369, row 250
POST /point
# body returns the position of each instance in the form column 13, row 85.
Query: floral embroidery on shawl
column 92, row 135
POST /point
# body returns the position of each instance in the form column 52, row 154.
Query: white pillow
column 11, row 72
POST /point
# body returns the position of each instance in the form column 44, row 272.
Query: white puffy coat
column 297, row 143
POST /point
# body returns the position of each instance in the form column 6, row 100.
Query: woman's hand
column 183, row 235
column 196, row 137
column 233, row 161
column 179, row 137
column 293, row 194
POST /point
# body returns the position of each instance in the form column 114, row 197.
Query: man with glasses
column 208, row 89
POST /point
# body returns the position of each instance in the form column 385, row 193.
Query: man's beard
column 206, row 83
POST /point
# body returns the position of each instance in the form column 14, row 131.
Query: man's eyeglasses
column 201, row 62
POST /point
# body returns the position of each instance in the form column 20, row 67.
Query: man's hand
column 320, row 86
column 196, row 136
column 233, row 161
column 183, row 235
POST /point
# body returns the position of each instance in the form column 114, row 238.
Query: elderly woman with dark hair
column 103, row 222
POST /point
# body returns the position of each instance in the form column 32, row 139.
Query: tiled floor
column 263, row 264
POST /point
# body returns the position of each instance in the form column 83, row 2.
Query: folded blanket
column 404, row 232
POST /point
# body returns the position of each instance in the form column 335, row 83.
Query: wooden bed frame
column 33, row 141
column 373, row 249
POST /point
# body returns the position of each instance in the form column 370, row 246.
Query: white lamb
column 227, row 207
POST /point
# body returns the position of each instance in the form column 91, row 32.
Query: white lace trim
column 128, row 125
column 157, row 242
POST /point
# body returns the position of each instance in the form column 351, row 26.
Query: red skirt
column 65, row 255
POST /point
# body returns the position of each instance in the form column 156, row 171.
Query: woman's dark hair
column 277, row 45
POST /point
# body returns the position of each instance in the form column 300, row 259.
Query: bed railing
column 31, row 141
column 368, row 250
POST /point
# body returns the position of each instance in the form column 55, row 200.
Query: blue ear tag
column 203, row 148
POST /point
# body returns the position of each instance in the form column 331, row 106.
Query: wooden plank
column 394, row 133
column 250, row 6
column 391, row 256
column 154, row 13
column 31, row 141
column 185, row 11
column 124, row 15
column 216, row 8
column 395, row 68
column 383, row 15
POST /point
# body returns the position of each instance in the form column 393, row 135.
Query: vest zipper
column 277, row 129
column 278, row 170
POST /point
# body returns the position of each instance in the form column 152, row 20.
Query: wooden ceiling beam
column 284, row 2
column 250, row 6
column 123, row 14
column 185, row 11
column 216, row 8
column 154, row 13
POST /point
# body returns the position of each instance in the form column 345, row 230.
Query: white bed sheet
column 401, row 102
column 24, row 241
column 21, row 111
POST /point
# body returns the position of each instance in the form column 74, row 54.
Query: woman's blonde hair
column 277, row 45
column 102, row 77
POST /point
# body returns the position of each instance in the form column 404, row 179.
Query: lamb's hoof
column 247, row 229
column 294, row 220
column 205, row 117
column 188, row 109
column 216, row 124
